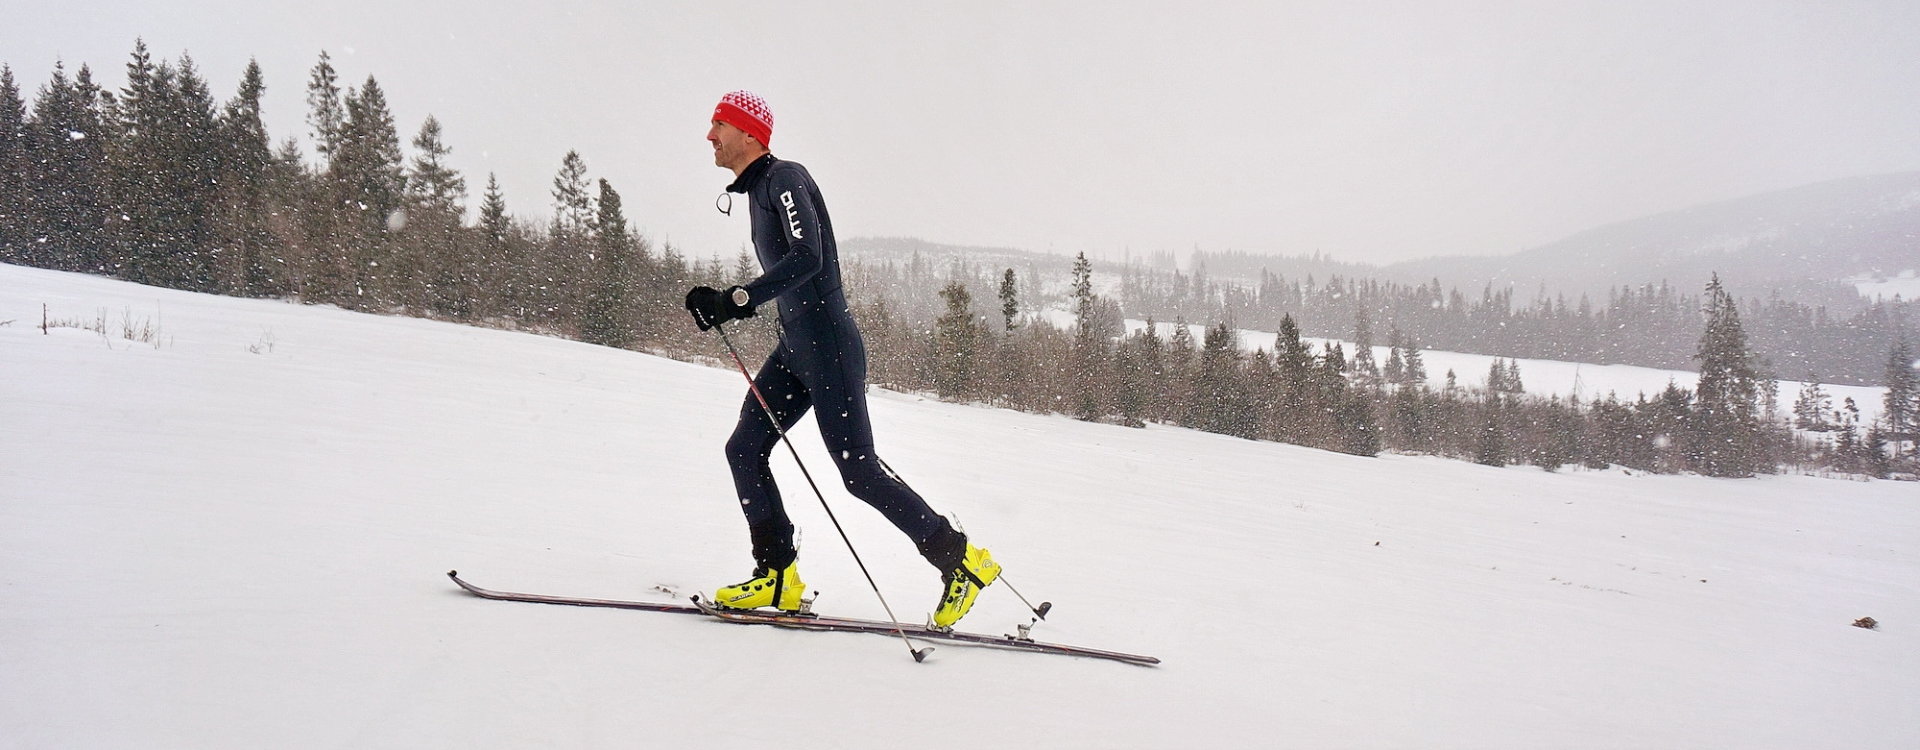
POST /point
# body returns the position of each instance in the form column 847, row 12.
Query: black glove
column 711, row 307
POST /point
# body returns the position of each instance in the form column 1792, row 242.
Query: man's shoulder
column 783, row 172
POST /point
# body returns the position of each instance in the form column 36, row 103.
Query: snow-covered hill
column 1827, row 231
column 234, row 533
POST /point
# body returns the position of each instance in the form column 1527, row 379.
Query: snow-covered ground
column 235, row 536
column 1905, row 285
column 1545, row 377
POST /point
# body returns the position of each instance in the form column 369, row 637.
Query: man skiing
column 820, row 363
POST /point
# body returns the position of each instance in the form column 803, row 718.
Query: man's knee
column 861, row 469
column 750, row 443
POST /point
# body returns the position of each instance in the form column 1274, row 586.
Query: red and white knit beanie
column 747, row 111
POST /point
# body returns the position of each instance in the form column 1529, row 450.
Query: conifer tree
column 1365, row 372
column 1497, row 376
column 367, row 176
column 497, row 271
column 1359, row 429
column 65, row 148
column 14, row 165
column 1667, row 418
column 1333, row 361
column 1294, row 417
column 333, row 256
column 1092, row 358
column 1557, row 433
column 325, row 113
column 435, row 205
column 1810, row 410
column 1009, row 300
column 1179, row 351
column 367, row 161
column 246, row 264
column 493, row 211
column 137, row 163
column 1261, row 391
column 1218, row 404
column 1132, row 386
column 1082, row 291
column 196, row 147
column 1156, row 386
column 745, row 268
column 876, row 323
column 1407, row 411
column 164, row 175
column 956, row 340
column 1396, row 369
column 606, row 314
column 431, row 183
column 1415, row 373
column 1723, row 434
column 1349, row 412
column 1875, row 453
column 1901, row 404
column 568, row 249
column 572, row 204
column 1491, row 447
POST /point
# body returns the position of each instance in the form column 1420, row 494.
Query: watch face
column 740, row 297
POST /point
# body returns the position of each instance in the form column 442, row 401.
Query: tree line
column 1653, row 325
column 1328, row 398
column 160, row 183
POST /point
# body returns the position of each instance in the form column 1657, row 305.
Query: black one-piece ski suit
column 821, row 363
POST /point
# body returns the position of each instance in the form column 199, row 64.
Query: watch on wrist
column 740, row 296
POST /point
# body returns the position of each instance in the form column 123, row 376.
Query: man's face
column 732, row 147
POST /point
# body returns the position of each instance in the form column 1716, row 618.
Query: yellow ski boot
column 964, row 583
column 767, row 588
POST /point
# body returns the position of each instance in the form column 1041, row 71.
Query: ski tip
column 453, row 574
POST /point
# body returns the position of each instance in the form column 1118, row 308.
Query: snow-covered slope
column 1825, row 231
column 216, row 543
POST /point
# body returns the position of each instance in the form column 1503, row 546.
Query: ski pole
column 919, row 654
column 1040, row 611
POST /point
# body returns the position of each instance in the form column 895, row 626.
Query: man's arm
column 793, row 208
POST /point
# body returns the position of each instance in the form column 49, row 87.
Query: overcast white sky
column 1372, row 131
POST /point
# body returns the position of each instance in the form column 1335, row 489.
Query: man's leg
column 869, row 479
column 840, row 405
column 964, row 568
column 841, row 410
column 748, row 450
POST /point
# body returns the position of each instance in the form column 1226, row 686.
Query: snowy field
column 1905, row 285
column 235, row 534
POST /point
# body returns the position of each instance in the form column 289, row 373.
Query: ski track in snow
column 203, row 546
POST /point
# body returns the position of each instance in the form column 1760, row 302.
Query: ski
column 809, row 621
column 508, row 596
